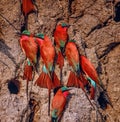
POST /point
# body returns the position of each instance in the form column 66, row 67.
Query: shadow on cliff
column 110, row 47
column 6, row 50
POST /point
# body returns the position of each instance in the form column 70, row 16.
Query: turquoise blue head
column 26, row 32
column 64, row 88
column 40, row 35
column 64, row 24
column 72, row 40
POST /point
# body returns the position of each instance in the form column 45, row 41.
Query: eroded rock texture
column 94, row 24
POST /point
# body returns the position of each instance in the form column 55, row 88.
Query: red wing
column 42, row 81
column 88, row 68
column 92, row 93
column 58, row 103
column 72, row 54
column 28, row 72
column 47, row 52
column 30, row 48
column 73, row 81
column 27, row 6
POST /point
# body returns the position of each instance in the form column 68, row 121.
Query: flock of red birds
column 39, row 46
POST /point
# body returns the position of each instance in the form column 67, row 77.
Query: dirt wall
column 94, row 24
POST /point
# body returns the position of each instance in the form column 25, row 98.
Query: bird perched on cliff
column 72, row 55
column 92, row 76
column 30, row 48
column 27, row 7
column 90, row 73
column 58, row 103
column 84, row 74
column 48, row 78
column 60, row 40
column 76, row 77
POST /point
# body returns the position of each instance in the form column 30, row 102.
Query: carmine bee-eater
column 76, row 77
column 58, row 103
column 92, row 76
column 48, row 78
column 90, row 73
column 72, row 55
column 30, row 48
column 27, row 7
column 60, row 40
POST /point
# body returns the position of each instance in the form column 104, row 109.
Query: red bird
column 72, row 54
column 90, row 73
column 60, row 39
column 76, row 77
column 93, row 79
column 88, row 68
column 58, row 103
column 31, row 50
column 27, row 7
column 30, row 47
column 48, row 78
column 78, row 65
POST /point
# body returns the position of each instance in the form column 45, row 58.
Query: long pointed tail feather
column 45, row 81
column 92, row 93
column 42, row 80
column 88, row 68
column 28, row 76
column 56, row 82
column 75, row 81
column 28, row 73
column 72, row 80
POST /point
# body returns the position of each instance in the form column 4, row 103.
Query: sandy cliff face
column 94, row 24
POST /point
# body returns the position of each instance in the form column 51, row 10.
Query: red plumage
column 88, row 68
column 44, row 81
column 27, row 7
column 72, row 55
column 75, row 78
column 28, row 73
column 92, row 92
column 58, row 104
column 60, row 35
column 29, row 47
column 47, row 52
column 60, row 39
column 48, row 78
column 89, row 71
column 73, row 81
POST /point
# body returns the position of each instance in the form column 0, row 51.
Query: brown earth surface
column 94, row 25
